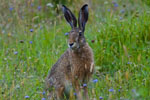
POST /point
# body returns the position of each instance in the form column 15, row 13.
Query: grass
column 119, row 37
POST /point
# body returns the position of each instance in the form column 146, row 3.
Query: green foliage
column 146, row 2
column 31, row 41
column 56, row 2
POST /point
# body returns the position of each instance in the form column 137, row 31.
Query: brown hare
column 76, row 65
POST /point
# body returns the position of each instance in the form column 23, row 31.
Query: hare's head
column 76, row 35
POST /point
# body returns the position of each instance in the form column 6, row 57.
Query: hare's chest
column 82, row 67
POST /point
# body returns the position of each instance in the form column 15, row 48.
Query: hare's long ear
column 71, row 19
column 83, row 17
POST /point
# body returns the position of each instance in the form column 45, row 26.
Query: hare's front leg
column 60, row 93
column 78, row 91
column 86, row 96
column 79, row 94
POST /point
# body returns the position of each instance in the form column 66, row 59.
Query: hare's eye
column 80, row 33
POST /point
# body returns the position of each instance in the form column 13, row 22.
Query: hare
column 76, row 65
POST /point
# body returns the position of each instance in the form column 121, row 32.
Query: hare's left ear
column 69, row 16
column 83, row 17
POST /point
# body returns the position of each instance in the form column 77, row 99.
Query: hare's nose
column 71, row 44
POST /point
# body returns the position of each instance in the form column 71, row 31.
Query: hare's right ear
column 71, row 19
column 83, row 17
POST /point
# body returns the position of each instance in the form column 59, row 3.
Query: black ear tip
column 63, row 8
column 63, row 5
column 85, row 6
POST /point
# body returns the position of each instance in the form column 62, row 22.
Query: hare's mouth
column 73, row 46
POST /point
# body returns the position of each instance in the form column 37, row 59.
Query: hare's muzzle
column 72, row 45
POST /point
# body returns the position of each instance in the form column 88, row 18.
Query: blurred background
column 32, row 38
column 35, row 13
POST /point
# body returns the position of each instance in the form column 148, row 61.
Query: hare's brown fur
column 74, row 68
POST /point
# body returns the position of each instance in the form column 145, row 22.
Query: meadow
column 32, row 38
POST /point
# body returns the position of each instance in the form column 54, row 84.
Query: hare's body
column 75, row 66
column 81, row 64
column 57, row 77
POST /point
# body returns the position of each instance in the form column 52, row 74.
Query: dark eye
column 80, row 33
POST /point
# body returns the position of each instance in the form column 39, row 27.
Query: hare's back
column 59, row 72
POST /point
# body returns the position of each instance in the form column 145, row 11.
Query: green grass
column 121, row 50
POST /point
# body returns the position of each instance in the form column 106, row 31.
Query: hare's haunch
column 76, row 65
